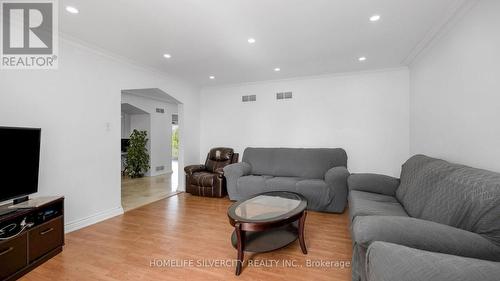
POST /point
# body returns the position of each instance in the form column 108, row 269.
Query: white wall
column 159, row 128
column 455, row 92
column 366, row 113
column 125, row 125
column 78, row 109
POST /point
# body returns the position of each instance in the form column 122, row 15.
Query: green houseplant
column 137, row 154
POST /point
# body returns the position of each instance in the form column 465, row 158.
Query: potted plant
column 137, row 163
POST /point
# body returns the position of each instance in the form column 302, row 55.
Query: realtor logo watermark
column 29, row 34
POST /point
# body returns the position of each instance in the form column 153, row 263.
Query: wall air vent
column 160, row 110
column 284, row 95
column 160, row 168
column 249, row 98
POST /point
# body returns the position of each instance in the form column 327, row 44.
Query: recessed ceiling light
column 211, row 77
column 72, row 10
column 375, row 18
column 167, row 56
column 362, row 58
column 277, row 69
column 251, row 40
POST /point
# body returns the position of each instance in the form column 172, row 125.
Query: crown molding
column 69, row 39
column 308, row 77
column 453, row 15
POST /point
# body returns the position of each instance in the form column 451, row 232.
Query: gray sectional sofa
column 392, row 262
column 439, row 221
column 319, row 174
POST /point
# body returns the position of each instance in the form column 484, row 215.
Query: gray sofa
column 319, row 174
column 392, row 262
column 439, row 221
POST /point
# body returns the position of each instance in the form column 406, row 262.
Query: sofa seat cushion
column 281, row 183
column 248, row 186
column 371, row 204
column 204, row 179
column 423, row 235
column 387, row 261
column 373, row 196
column 317, row 192
column 253, row 180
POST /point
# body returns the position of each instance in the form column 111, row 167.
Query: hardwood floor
column 142, row 191
column 186, row 228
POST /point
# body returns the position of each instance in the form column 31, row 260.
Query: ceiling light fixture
column 72, row 10
column 277, row 69
column 167, row 56
column 375, row 18
column 211, row 77
column 362, row 58
column 251, row 40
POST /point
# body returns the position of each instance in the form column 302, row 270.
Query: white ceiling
column 130, row 109
column 153, row 93
column 302, row 37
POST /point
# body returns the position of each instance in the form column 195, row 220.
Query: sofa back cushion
column 452, row 194
column 309, row 163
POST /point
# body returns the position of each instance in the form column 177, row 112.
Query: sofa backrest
column 310, row 163
column 452, row 194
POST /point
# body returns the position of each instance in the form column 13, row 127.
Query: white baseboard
column 98, row 217
column 159, row 173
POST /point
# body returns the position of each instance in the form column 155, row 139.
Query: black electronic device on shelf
column 30, row 236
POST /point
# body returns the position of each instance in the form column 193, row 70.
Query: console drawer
column 12, row 256
column 45, row 237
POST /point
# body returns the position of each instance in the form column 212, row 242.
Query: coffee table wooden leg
column 240, row 235
column 302, row 222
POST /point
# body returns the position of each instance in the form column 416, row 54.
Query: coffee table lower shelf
column 267, row 222
column 269, row 240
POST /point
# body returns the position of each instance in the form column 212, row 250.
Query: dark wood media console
column 35, row 244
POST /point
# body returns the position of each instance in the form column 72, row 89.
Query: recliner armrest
column 423, row 235
column 194, row 168
column 387, row 261
column 375, row 183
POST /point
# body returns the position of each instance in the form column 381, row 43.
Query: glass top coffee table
column 266, row 222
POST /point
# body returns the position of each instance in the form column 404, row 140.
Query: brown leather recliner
column 208, row 180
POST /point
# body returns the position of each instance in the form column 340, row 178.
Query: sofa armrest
column 232, row 172
column 194, row 168
column 375, row 183
column 423, row 235
column 336, row 178
column 387, row 261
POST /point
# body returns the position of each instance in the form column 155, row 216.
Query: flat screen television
column 19, row 162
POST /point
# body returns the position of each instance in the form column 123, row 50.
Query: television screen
column 19, row 160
